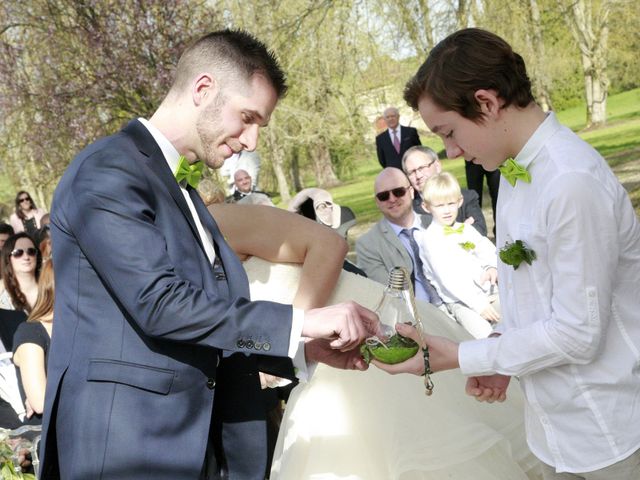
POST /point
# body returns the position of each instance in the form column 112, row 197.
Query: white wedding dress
column 348, row 425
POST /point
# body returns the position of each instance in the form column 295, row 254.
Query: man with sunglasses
column 390, row 242
column 421, row 163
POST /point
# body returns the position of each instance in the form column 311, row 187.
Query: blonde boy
column 459, row 261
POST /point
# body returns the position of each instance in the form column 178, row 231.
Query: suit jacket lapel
column 154, row 159
column 392, row 238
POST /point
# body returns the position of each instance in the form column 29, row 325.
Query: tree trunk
column 541, row 79
column 321, row 160
column 298, row 184
column 591, row 31
column 276, row 154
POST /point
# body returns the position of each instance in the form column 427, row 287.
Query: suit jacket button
column 258, row 345
column 240, row 343
column 249, row 343
column 211, row 383
column 266, row 346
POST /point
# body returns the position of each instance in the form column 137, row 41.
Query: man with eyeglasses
column 390, row 242
column 421, row 163
column 393, row 142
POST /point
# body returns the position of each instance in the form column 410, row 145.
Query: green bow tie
column 188, row 173
column 512, row 171
column 448, row 229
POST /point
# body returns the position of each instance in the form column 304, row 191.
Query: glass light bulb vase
column 396, row 306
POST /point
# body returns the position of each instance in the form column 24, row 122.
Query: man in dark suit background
column 397, row 139
column 153, row 317
column 420, row 163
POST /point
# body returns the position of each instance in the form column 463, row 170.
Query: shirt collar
column 397, row 228
column 536, row 142
column 170, row 153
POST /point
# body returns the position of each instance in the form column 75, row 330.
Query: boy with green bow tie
column 569, row 244
column 458, row 261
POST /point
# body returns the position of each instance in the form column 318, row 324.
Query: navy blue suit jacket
column 134, row 389
column 387, row 155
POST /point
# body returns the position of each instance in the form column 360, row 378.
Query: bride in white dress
column 369, row 425
column 351, row 425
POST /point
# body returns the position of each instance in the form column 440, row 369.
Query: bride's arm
column 280, row 236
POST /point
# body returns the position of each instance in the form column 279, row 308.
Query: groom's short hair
column 465, row 62
column 227, row 53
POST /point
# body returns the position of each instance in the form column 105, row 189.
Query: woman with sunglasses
column 31, row 346
column 27, row 216
column 21, row 262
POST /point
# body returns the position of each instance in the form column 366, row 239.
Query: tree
column 72, row 71
column 588, row 21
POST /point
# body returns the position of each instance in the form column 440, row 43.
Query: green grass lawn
column 618, row 142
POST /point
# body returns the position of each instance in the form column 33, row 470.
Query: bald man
column 390, row 242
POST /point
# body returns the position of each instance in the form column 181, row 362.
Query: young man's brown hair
column 464, row 62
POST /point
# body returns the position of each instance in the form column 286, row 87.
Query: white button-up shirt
column 571, row 320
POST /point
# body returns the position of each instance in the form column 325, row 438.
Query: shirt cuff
column 297, row 322
column 296, row 347
column 473, row 357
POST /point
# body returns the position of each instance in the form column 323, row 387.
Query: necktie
column 434, row 298
column 449, row 230
column 396, row 141
column 188, row 174
column 512, row 171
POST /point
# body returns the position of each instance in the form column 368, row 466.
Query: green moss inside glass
column 396, row 350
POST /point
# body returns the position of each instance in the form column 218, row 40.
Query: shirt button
column 211, row 383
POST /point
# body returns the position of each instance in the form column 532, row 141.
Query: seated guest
column 243, row 186
column 256, row 198
column 421, row 163
column 27, row 217
column 31, row 346
column 6, row 231
column 390, row 242
column 21, row 262
column 459, row 262
column 210, row 192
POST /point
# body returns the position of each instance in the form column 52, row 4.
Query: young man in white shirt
column 569, row 295
column 459, row 262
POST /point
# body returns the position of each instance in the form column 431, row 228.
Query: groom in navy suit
column 397, row 139
column 153, row 367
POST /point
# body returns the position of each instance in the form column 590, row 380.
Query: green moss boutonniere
column 468, row 246
column 515, row 253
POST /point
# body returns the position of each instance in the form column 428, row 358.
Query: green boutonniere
column 515, row 253
column 468, row 246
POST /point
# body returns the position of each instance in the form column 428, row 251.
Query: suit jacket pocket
column 153, row 379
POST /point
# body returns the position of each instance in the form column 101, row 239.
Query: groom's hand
column 345, row 325
column 319, row 350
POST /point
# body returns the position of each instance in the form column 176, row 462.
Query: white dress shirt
column 398, row 133
column 571, row 320
column 453, row 270
column 171, row 155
